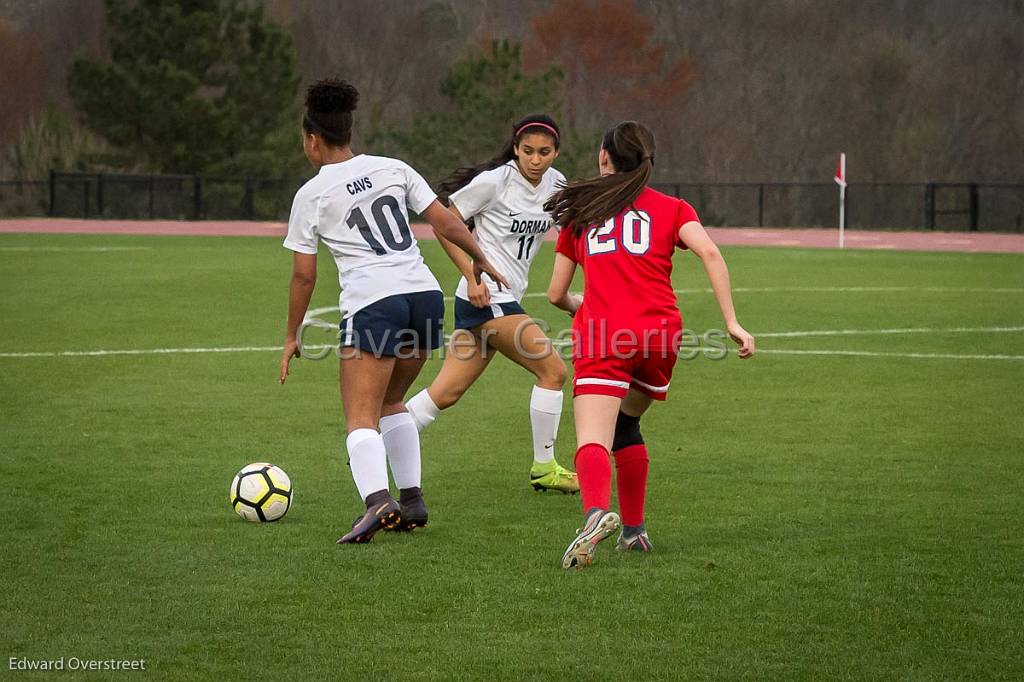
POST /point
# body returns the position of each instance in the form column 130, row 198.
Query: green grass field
column 815, row 516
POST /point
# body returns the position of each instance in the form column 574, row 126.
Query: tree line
column 915, row 90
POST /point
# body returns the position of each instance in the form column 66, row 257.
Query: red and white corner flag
column 841, row 171
column 840, row 179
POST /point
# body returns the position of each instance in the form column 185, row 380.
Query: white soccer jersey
column 510, row 223
column 357, row 208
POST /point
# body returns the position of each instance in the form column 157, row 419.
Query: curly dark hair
column 329, row 106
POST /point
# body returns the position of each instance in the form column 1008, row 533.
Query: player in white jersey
column 504, row 198
column 392, row 307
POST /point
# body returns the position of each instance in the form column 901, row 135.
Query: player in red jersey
column 627, row 327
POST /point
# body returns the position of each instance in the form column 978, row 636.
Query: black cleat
column 387, row 515
column 414, row 515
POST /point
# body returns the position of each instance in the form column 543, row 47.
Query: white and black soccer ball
column 261, row 492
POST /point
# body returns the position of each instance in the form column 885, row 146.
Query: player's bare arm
column 446, row 225
column 561, row 280
column 479, row 294
column 700, row 243
column 301, row 289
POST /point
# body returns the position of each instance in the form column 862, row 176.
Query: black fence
column 869, row 206
column 169, row 197
column 878, row 206
column 19, row 198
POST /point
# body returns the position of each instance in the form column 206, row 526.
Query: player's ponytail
column 329, row 106
column 534, row 123
column 583, row 203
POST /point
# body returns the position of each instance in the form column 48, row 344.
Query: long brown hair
column 592, row 201
column 534, row 123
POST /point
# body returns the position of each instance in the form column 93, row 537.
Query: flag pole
column 841, row 181
column 842, row 216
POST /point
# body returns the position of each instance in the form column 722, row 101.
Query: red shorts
column 614, row 376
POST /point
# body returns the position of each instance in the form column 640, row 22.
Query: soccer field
column 848, row 504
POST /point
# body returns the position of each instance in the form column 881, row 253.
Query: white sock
column 422, row 409
column 402, row 441
column 545, row 413
column 368, row 460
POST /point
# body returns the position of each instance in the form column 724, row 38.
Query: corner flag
column 840, row 179
column 841, row 171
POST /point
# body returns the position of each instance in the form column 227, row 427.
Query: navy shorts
column 468, row 316
column 397, row 325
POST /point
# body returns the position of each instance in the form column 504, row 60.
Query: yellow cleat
column 552, row 476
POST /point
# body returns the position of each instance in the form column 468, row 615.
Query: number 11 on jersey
column 524, row 246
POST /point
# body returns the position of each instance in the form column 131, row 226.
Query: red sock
column 631, row 464
column 594, row 468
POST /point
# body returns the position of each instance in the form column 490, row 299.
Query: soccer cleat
column 386, row 515
column 553, row 476
column 634, row 543
column 599, row 525
column 414, row 515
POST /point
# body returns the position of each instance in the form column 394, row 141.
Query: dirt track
column 728, row 236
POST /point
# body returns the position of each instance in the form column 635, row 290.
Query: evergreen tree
column 193, row 86
column 486, row 94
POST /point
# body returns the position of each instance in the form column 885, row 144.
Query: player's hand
column 479, row 294
column 483, row 266
column 743, row 338
column 576, row 301
column 291, row 349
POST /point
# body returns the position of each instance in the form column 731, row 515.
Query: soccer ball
column 261, row 492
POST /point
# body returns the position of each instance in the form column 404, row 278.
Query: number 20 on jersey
column 635, row 235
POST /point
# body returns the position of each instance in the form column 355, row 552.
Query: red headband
column 537, row 123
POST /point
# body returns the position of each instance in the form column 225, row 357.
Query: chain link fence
column 19, row 198
column 869, row 206
column 169, row 197
column 876, row 206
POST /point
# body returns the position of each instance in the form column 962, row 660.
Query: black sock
column 407, row 496
column 378, row 498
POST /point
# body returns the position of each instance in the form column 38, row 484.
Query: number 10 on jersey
column 396, row 243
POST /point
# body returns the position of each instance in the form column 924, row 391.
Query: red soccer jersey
column 628, row 300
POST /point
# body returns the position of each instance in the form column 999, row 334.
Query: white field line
column 883, row 354
column 754, row 290
column 956, row 290
column 866, row 332
column 139, row 351
column 561, row 343
column 76, row 248
column 869, row 332
column 267, row 349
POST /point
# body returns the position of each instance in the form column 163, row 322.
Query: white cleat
column 598, row 526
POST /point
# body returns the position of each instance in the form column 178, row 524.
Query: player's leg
column 519, row 338
column 463, row 365
column 364, row 379
column 599, row 386
column 595, row 419
column 631, row 466
column 367, row 361
column 650, row 382
column 397, row 427
column 402, row 441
